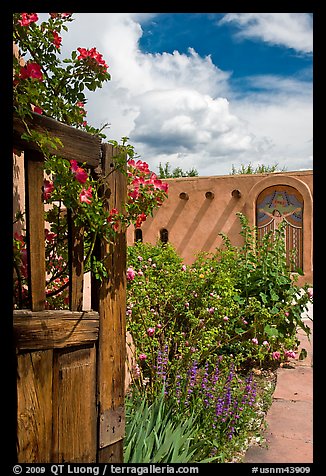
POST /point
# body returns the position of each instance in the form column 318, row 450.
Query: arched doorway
column 275, row 204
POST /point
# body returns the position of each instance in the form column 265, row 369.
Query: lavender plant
column 217, row 400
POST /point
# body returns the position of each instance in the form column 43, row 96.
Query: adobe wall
column 194, row 224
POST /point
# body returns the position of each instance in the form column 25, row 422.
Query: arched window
column 278, row 203
column 138, row 234
column 164, row 235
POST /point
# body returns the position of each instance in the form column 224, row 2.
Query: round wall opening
column 236, row 193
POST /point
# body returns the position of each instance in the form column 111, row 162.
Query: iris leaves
column 156, row 433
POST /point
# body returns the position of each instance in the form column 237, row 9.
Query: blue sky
column 204, row 90
column 208, row 35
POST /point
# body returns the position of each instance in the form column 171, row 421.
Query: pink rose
column 38, row 110
column 48, row 188
column 80, row 174
column 131, row 274
column 85, row 196
column 276, row 355
column 31, row 70
column 27, row 19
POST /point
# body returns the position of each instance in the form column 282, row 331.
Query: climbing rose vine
column 43, row 83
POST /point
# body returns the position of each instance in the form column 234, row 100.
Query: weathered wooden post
column 112, row 314
column 34, row 174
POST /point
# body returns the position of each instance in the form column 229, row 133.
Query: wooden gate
column 70, row 363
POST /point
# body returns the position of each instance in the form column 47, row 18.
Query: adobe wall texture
column 194, row 224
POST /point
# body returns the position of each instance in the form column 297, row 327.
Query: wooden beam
column 112, row 335
column 76, row 144
column 54, row 329
column 74, row 406
column 34, row 408
column 35, row 229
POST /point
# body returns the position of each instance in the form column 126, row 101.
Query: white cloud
column 286, row 124
column 180, row 108
column 293, row 30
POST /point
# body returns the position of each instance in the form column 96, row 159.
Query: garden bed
column 207, row 341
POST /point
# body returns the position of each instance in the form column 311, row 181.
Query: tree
column 260, row 169
column 165, row 172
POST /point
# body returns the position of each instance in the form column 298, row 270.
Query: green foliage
column 58, row 88
column 259, row 169
column 156, row 433
column 199, row 331
column 239, row 302
column 165, row 172
column 268, row 287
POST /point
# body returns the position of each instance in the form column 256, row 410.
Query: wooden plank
column 112, row 426
column 112, row 335
column 74, row 406
column 34, row 410
column 35, row 229
column 54, row 329
column 77, row 144
column 76, row 264
column 112, row 453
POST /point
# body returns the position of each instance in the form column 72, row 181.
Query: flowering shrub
column 199, row 330
column 50, row 86
column 213, row 308
column 54, row 86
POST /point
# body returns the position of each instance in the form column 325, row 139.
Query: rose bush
column 49, row 85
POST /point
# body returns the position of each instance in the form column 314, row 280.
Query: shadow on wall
column 174, row 217
column 228, row 212
column 194, row 227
